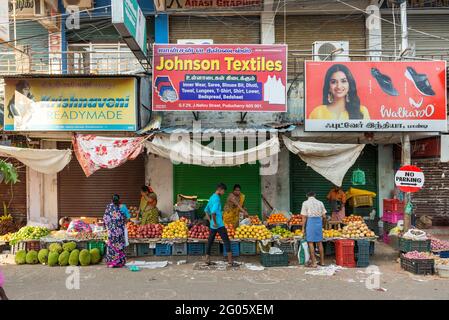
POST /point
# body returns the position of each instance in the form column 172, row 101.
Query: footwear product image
column 384, row 82
column 420, row 81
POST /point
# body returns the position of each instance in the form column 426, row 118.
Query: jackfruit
column 73, row 259
column 95, row 256
column 69, row 246
column 42, row 256
column 31, row 257
column 53, row 259
column 55, row 247
column 85, row 257
column 63, row 259
column 20, row 257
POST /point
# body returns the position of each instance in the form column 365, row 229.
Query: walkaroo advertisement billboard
column 220, row 78
column 58, row 104
column 375, row 96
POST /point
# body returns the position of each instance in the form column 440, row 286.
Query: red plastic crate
column 394, row 205
column 344, row 253
column 392, row 216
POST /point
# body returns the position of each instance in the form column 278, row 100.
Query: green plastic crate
column 406, row 245
column 248, row 248
column 274, row 260
column 100, row 245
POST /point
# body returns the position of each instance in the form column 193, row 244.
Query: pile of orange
column 255, row 220
column 132, row 230
column 352, row 218
column 277, row 218
column 296, row 220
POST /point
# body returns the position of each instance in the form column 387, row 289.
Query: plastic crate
column 144, row 250
column 442, row 254
column 131, row 250
column 362, row 250
column 394, row 205
column 392, row 216
column 361, row 201
column 329, row 248
column 33, row 245
column 187, row 214
column 248, row 248
column 287, row 247
column 215, row 249
column 406, row 245
column 372, row 248
column 360, row 211
column 344, row 253
column 80, row 245
column 235, row 249
column 179, row 249
column 17, row 247
column 163, row 249
column 418, row 266
column 100, row 245
column 274, row 260
column 196, row 249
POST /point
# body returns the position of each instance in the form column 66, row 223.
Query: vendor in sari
column 337, row 200
column 148, row 206
column 114, row 221
column 234, row 206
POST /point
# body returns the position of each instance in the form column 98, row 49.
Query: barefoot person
column 313, row 212
column 215, row 216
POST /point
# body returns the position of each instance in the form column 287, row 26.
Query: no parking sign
column 409, row 178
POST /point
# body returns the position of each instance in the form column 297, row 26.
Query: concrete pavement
column 182, row 282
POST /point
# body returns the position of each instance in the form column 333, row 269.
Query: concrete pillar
column 267, row 23
column 159, row 171
column 374, row 32
column 385, row 174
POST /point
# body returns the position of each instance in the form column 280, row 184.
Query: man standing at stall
column 337, row 200
column 215, row 216
column 313, row 212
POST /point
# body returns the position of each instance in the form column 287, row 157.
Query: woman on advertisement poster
column 340, row 99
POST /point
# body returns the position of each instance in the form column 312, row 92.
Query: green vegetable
column 42, row 256
column 84, row 257
column 20, row 257
column 63, row 259
column 73, row 259
column 69, row 246
column 31, row 257
column 53, row 258
column 95, row 256
column 55, row 247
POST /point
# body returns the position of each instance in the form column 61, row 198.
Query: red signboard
column 409, row 178
column 244, row 78
column 375, row 96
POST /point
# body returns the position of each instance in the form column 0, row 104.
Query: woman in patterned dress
column 114, row 221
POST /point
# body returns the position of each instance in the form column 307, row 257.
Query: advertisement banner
column 213, row 4
column 375, row 96
column 70, row 104
column 220, row 78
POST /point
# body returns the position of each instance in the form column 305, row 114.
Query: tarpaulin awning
column 48, row 161
column 94, row 152
column 186, row 150
column 330, row 160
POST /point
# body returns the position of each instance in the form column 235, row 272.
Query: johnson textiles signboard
column 375, row 96
column 220, row 78
column 69, row 104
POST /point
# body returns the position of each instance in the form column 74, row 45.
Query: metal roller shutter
column 434, row 24
column 201, row 181
column 82, row 196
column 303, row 31
column 17, row 194
column 304, row 179
column 221, row 29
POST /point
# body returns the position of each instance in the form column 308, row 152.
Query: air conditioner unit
column 331, row 51
column 83, row 4
column 195, row 41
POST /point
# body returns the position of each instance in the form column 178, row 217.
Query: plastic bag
column 126, row 237
column 408, row 208
column 303, row 252
column 415, row 234
column 358, row 178
column 245, row 222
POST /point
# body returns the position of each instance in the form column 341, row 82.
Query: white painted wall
column 385, row 173
column 159, row 171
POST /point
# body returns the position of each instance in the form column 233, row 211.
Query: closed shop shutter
column 303, row 31
column 433, row 198
column 304, row 179
column 15, row 195
column 201, row 181
column 82, row 196
column 222, row 30
column 425, row 45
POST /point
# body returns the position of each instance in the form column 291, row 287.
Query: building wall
column 385, row 172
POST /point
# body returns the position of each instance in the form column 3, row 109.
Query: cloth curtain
column 185, row 150
column 330, row 160
column 94, row 152
column 48, row 161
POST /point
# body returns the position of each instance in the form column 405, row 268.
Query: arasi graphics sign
column 376, row 96
column 243, row 78
column 70, row 104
